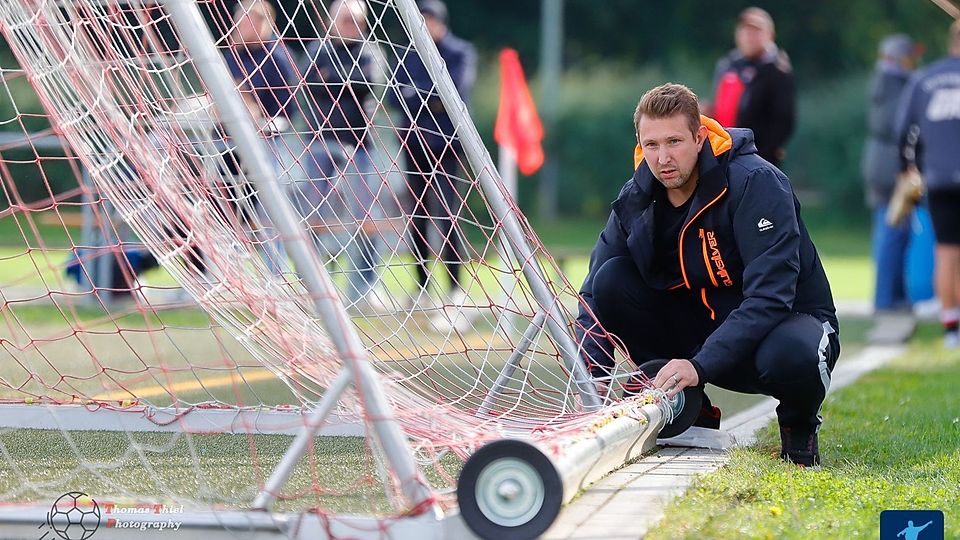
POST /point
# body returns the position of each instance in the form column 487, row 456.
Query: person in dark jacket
column 340, row 75
column 754, row 86
column 259, row 61
column 262, row 67
column 880, row 166
column 931, row 106
column 705, row 260
column 432, row 150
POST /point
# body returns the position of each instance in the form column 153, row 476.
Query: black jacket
column 768, row 103
column 743, row 249
column 416, row 94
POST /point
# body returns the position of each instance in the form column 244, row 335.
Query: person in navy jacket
column 261, row 63
column 263, row 69
column 428, row 138
column 931, row 107
column 340, row 76
column 706, row 261
column 881, row 164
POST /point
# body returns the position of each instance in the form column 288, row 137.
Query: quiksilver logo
column 764, row 224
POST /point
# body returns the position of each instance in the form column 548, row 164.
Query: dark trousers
column 792, row 363
column 431, row 178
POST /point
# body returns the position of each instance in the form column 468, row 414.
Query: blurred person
column 264, row 72
column 433, row 152
column 340, row 75
column 931, row 108
column 261, row 63
column 754, row 86
column 898, row 56
column 705, row 260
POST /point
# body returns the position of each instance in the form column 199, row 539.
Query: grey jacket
column 881, row 153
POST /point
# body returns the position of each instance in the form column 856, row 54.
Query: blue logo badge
column 911, row 525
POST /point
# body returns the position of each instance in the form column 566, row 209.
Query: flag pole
column 507, row 163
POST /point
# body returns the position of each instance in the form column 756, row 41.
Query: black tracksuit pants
column 792, row 363
column 432, row 181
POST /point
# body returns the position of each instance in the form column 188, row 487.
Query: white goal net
column 161, row 339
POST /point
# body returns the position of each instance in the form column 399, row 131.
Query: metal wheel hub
column 509, row 492
column 676, row 403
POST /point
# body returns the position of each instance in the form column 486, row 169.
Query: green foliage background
column 614, row 51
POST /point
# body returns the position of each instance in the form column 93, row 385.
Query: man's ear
column 701, row 136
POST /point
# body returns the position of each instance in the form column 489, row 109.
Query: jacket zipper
column 683, row 271
column 703, row 296
column 706, row 258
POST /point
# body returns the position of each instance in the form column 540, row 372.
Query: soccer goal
column 259, row 278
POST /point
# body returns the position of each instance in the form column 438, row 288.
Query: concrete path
column 628, row 502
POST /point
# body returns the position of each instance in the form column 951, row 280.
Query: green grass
column 845, row 253
column 890, row 441
column 17, row 227
column 338, row 477
column 130, row 356
column 221, row 469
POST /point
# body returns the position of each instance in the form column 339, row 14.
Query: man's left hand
column 678, row 374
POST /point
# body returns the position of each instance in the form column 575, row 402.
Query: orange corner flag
column 518, row 124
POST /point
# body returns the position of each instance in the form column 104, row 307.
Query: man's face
column 752, row 40
column 435, row 27
column 347, row 24
column 253, row 26
column 670, row 149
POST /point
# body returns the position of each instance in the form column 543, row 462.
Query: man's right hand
column 678, row 374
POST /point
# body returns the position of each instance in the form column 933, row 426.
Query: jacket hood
column 720, row 138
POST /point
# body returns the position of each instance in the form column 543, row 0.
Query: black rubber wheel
column 692, row 401
column 498, row 455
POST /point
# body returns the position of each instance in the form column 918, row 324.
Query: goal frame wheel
column 509, row 490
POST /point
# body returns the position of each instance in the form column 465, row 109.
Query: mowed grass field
column 889, row 442
column 845, row 252
column 193, row 360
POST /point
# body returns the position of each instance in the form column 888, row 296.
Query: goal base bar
column 30, row 521
column 141, row 418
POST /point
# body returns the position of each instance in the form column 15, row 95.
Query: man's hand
column 678, row 374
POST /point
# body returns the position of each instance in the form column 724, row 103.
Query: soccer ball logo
column 74, row 516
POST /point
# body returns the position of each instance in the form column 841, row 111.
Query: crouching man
column 705, row 261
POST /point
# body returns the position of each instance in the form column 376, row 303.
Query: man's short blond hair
column 668, row 100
